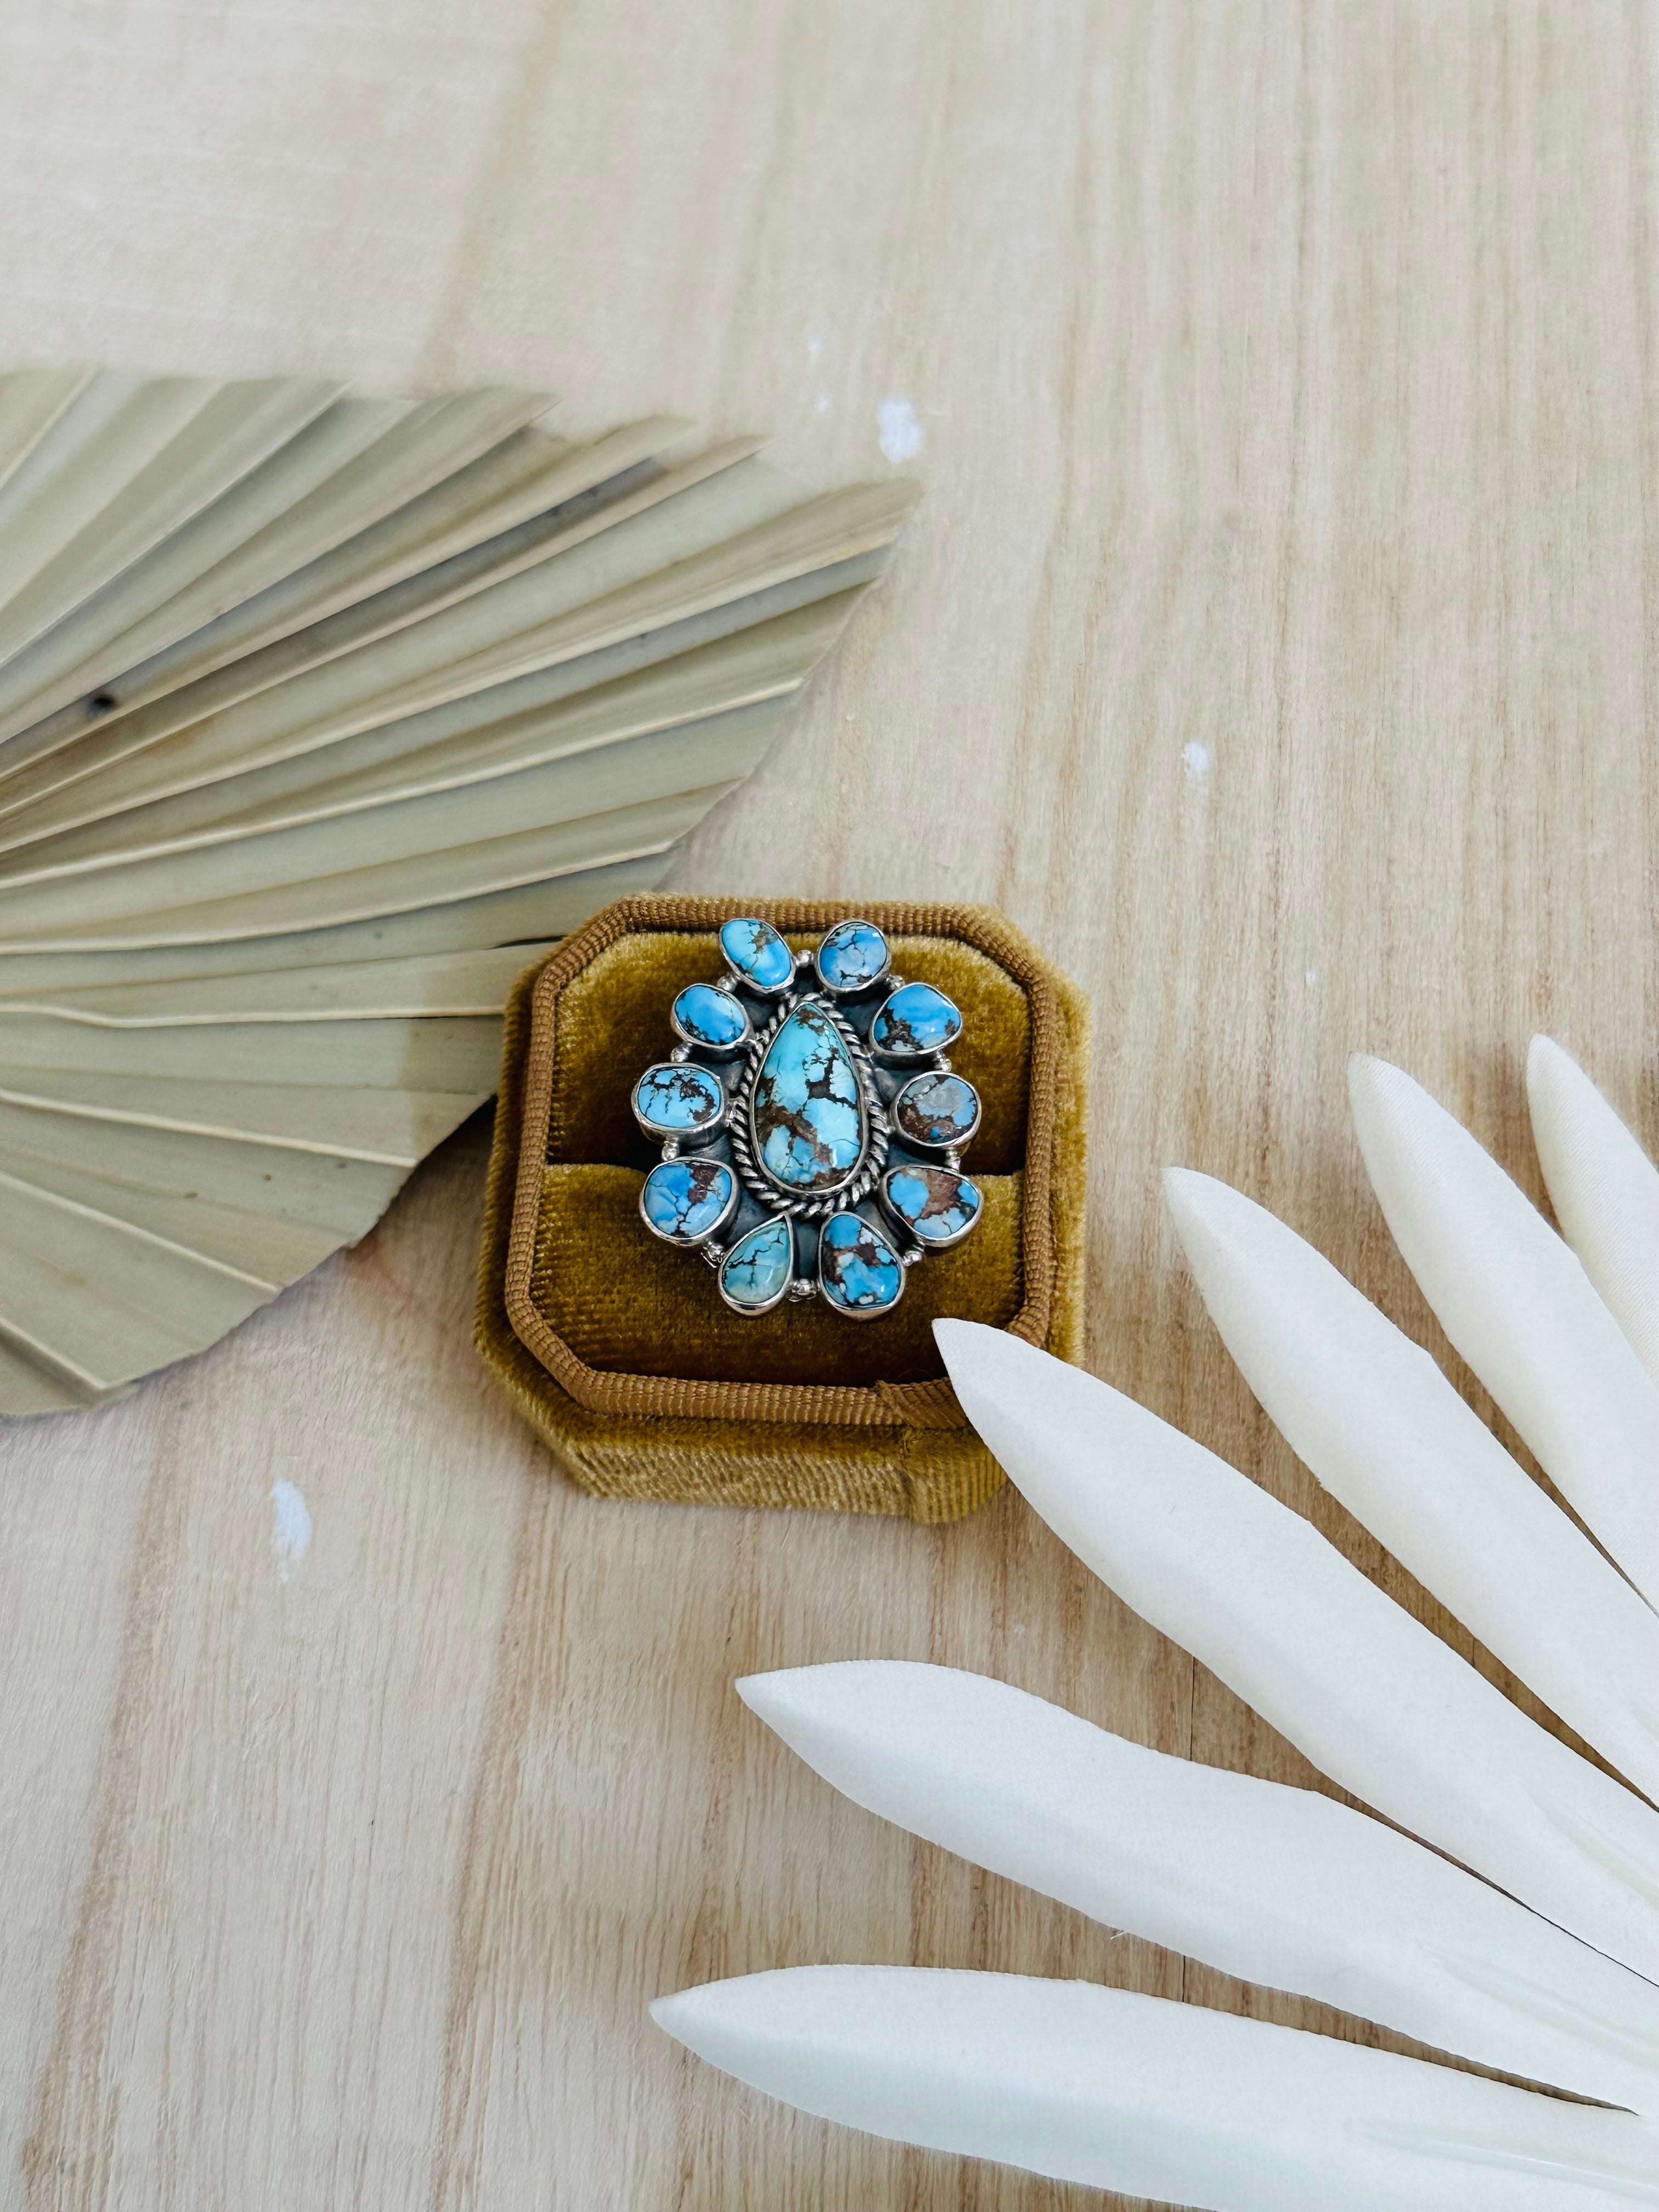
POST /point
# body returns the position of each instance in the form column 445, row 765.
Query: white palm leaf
column 1375, row 1699
column 1605, row 1190
column 1374, row 1418
column 1273, row 1885
column 1515, row 1301
column 319, row 717
column 1554, row 1981
column 1170, row 2101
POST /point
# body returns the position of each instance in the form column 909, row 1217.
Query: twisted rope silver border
column 873, row 1158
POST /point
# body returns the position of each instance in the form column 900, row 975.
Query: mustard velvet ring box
column 619, row 1351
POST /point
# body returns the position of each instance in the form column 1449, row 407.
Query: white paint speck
column 290, row 1527
column 814, row 348
column 902, row 434
column 821, row 404
column 1195, row 759
column 1310, row 977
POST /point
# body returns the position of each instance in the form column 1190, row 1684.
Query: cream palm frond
column 1525, row 1939
column 320, row 715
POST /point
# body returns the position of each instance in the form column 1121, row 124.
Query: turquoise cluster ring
column 810, row 1122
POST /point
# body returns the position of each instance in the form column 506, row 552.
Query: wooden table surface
column 1278, row 643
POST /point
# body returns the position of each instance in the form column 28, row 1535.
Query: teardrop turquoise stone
column 756, row 952
column 936, row 1205
column 756, row 1273
column 807, row 1115
column 859, row 1271
column 914, row 1021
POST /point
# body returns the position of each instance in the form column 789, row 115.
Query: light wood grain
column 1278, row 642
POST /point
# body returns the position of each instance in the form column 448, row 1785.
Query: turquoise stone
column 852, row 957
column 760, row 1266
column 757, row 953
column 938, row 1111
column 936, row 1205
column 859, row 1271
column 807, row 1115
column 678, row 1098
column 710, row 1017
column 916, row 1020
column 686, row 1200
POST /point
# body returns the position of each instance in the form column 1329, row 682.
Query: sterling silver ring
column 810, row 1122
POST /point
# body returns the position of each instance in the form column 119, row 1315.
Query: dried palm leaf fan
column 317, row 716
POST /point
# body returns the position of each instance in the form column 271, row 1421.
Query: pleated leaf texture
column 320, row 716
column 1504, row 1907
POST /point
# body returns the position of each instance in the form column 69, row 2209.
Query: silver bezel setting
column 704, row 1133
column 870, row 982
column 865, row 1313
column 935, row 1052
column 860, row 1178
column 928, row 1144
column 692, row 1243
column 790, row 1281
column 908, row 1228
column 701, row 1044
column 734, row 978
